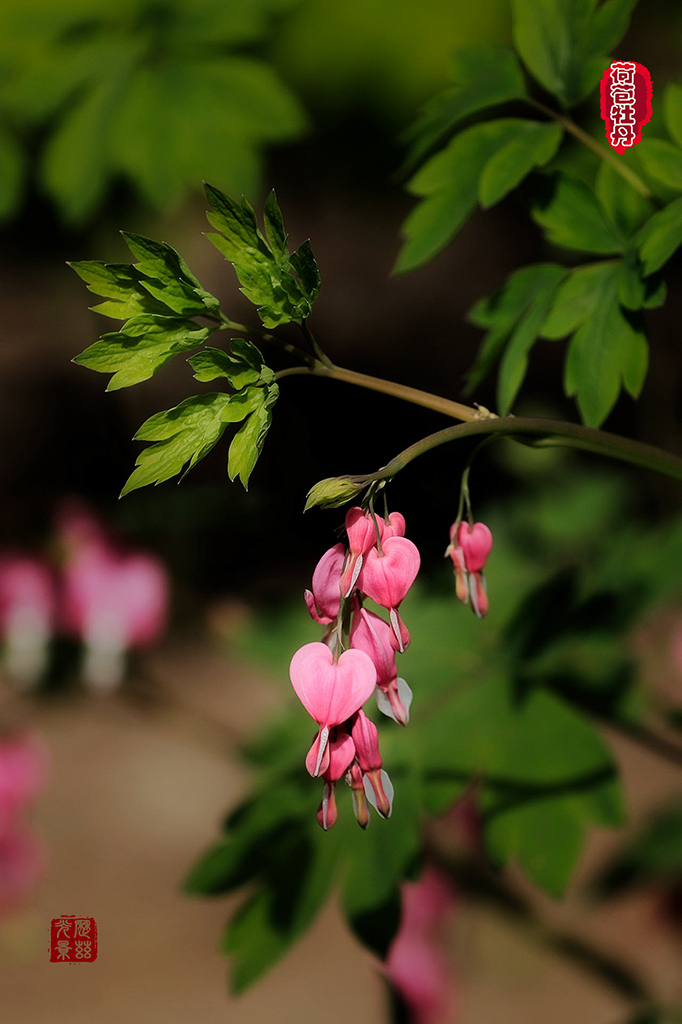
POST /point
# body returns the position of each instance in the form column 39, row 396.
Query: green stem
column 607, row 155
column 547, row 433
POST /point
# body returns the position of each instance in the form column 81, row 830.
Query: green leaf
column 237, row 222
column 543, row 766
column 573, row 217
column 625, row 207
column 661, row 161
column 510, row 165
column 661, row 236
column 186, row 433
column 606, row 349
column 449, row 183
column 212, row 363
column 564, row 43
column 483, row 76
column 672, row 110
column 168, row 278
column 502, row 311
column 274, row 227
column 515, row 359
column 247, row 444
column 121, row 283
column 143, row 345
column 307, row 272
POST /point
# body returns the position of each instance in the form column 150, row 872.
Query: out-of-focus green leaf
column 607, row 350
column 449, row 184
column 661, row 236
column 510, row 310
column 662, row 161
column 186, row 433
column 514, row 362
column 143, row 345
column 672, row 109
column 12, row 163
column 513, row 162
column 483, row 76
column 572, row 217
column 655, row 855
column 626, row 208
column 247, row 444
column 564, row 43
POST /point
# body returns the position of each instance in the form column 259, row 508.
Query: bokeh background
column 111, row 114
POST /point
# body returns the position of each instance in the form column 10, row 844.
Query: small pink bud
column 355, row 781
column 476, row 543
column 478, row 595
column 366, row 739
column 372, row 634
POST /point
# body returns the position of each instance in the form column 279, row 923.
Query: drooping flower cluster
column 335, row 677
column 469, row 547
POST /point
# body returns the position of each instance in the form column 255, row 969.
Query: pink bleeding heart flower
column 23, row 772
column 372, row 634
column 27, row 606
column 417, row 965
column 330, row 692
column 469, row 549
column 341, row 753
column 387, row 577
column 476, row 543
column 377, row 784
column 355, row 780
column 325, row 598
column 362, row 537
column 113, row 602
column 395, row 527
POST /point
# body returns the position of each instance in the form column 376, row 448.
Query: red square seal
column 73, row 940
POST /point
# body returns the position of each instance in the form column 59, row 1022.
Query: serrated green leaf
column 513, row 162
column 449, row 185
column 143, row 345
column 212, row 363
column 515, row 359
column 502, row 311
column 307, row 271
column 672, row 110
column 167, row 277
column 573, row 218
column 483, row 76
column 186, row 433
column 577, row 298
column 274, row 228
column 248, row 352
column 237, row 222
column 121, row 283
column 660, row 237
column 247, row 444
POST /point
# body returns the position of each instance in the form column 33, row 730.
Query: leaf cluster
column 160, row 93
column 626, row 208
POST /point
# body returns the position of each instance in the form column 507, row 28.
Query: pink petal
column 341, row 753
column 362, row 533
column 395, row 527
column 331, row 693
column 476, row 543
column 372, row 634
column 366, row 739
column 326, row 583
column 387, row 578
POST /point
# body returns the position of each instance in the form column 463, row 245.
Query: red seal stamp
column 73, row 940
column 625, row 103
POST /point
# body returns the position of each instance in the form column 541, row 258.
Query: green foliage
column 467, row 171
column 573, row 217
column 653, row 856
column 283, row 285
column 661, row 236
column 157, row 93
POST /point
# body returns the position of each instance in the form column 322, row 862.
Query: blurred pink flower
column 417, row 965
column 27, row 605
column 111, row 600
column 23, row 771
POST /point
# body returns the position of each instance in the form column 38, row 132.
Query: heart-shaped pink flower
column 386, row 578
column 324, row 599
column 330, row 692
column 476, row 543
